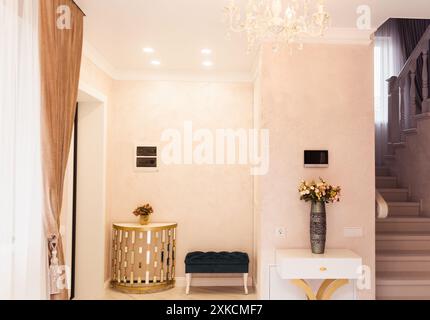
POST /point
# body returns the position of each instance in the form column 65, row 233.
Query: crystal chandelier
column 278, row 21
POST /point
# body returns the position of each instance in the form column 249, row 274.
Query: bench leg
column 188, row 278
column 245, row 282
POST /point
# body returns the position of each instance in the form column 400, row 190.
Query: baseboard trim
column 213, row 282
column 206, row 282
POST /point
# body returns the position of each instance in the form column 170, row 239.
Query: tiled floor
column 178, row 293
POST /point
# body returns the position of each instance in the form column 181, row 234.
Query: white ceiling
column 178, row 30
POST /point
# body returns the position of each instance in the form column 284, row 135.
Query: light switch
column 353, row 232
column 281, row 232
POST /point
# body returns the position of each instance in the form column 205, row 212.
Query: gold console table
column 143, row 257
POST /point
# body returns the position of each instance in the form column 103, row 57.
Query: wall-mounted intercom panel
column 316, row 159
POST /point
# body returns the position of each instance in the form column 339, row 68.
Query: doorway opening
column 84, row 214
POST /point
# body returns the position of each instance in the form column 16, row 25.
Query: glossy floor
column 178, row 293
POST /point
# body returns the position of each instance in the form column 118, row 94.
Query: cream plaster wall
column 91, row 201
column 318, row 98
column 96, row 80
column 94, row 77
column 212, row 204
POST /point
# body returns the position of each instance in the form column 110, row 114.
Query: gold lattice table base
column 143, row 257
column 143, row 289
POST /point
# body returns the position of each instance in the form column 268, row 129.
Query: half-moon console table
column 143, row 257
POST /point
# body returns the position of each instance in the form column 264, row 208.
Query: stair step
column 407, row 236
column 402, row 298
column 394, row 194
column 403, row 241
column 403, row 278
column 403, row 223
column 397, row 261
column 386, row 182
column 382, row 171
column 411, row 255
column 399, row 145
column 422, row 116
column 390, row 157
column 403, row 209
column 407, row 284
column 410, row 132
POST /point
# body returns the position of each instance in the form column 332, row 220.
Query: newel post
column 393, row 113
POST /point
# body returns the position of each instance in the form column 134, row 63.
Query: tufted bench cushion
column 216, row 262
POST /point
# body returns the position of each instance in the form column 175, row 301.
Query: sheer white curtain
column 388, row 61
column 22, row 262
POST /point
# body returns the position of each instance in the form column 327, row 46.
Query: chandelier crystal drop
column 278, row 21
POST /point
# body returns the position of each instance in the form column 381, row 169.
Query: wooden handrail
column 402, row 103
column 415, row 55
column 381, row 206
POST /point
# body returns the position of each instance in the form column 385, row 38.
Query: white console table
column 336, row 267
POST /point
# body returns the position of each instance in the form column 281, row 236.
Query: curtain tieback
column 54, row 268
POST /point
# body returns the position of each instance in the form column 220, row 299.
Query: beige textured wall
column 91, row 201
column 93, row 77
column 212, row 204
column 318, row 98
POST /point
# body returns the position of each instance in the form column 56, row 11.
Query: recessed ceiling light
column 206, row 51
column 208, row 63
column 155, row 62
column 148, row 50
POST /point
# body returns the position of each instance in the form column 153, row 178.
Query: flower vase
column 144, row 219
column 318, row 227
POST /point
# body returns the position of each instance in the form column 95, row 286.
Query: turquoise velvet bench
column 217, row 262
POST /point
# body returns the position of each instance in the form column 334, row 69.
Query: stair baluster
column 412, row 97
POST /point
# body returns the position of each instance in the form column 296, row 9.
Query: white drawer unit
column 302, row 264
column 336, row 267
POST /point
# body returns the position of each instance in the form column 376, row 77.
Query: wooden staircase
column 402, row 245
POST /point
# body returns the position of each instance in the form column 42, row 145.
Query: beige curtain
column 61, row 37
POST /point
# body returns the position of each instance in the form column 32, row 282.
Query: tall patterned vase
column 318, row 228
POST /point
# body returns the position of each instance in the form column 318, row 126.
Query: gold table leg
column 325, row 291
column 330, row 288
column 302, row 284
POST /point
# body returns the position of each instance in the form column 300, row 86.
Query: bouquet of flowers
column 145, row 210
column 319, row 192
